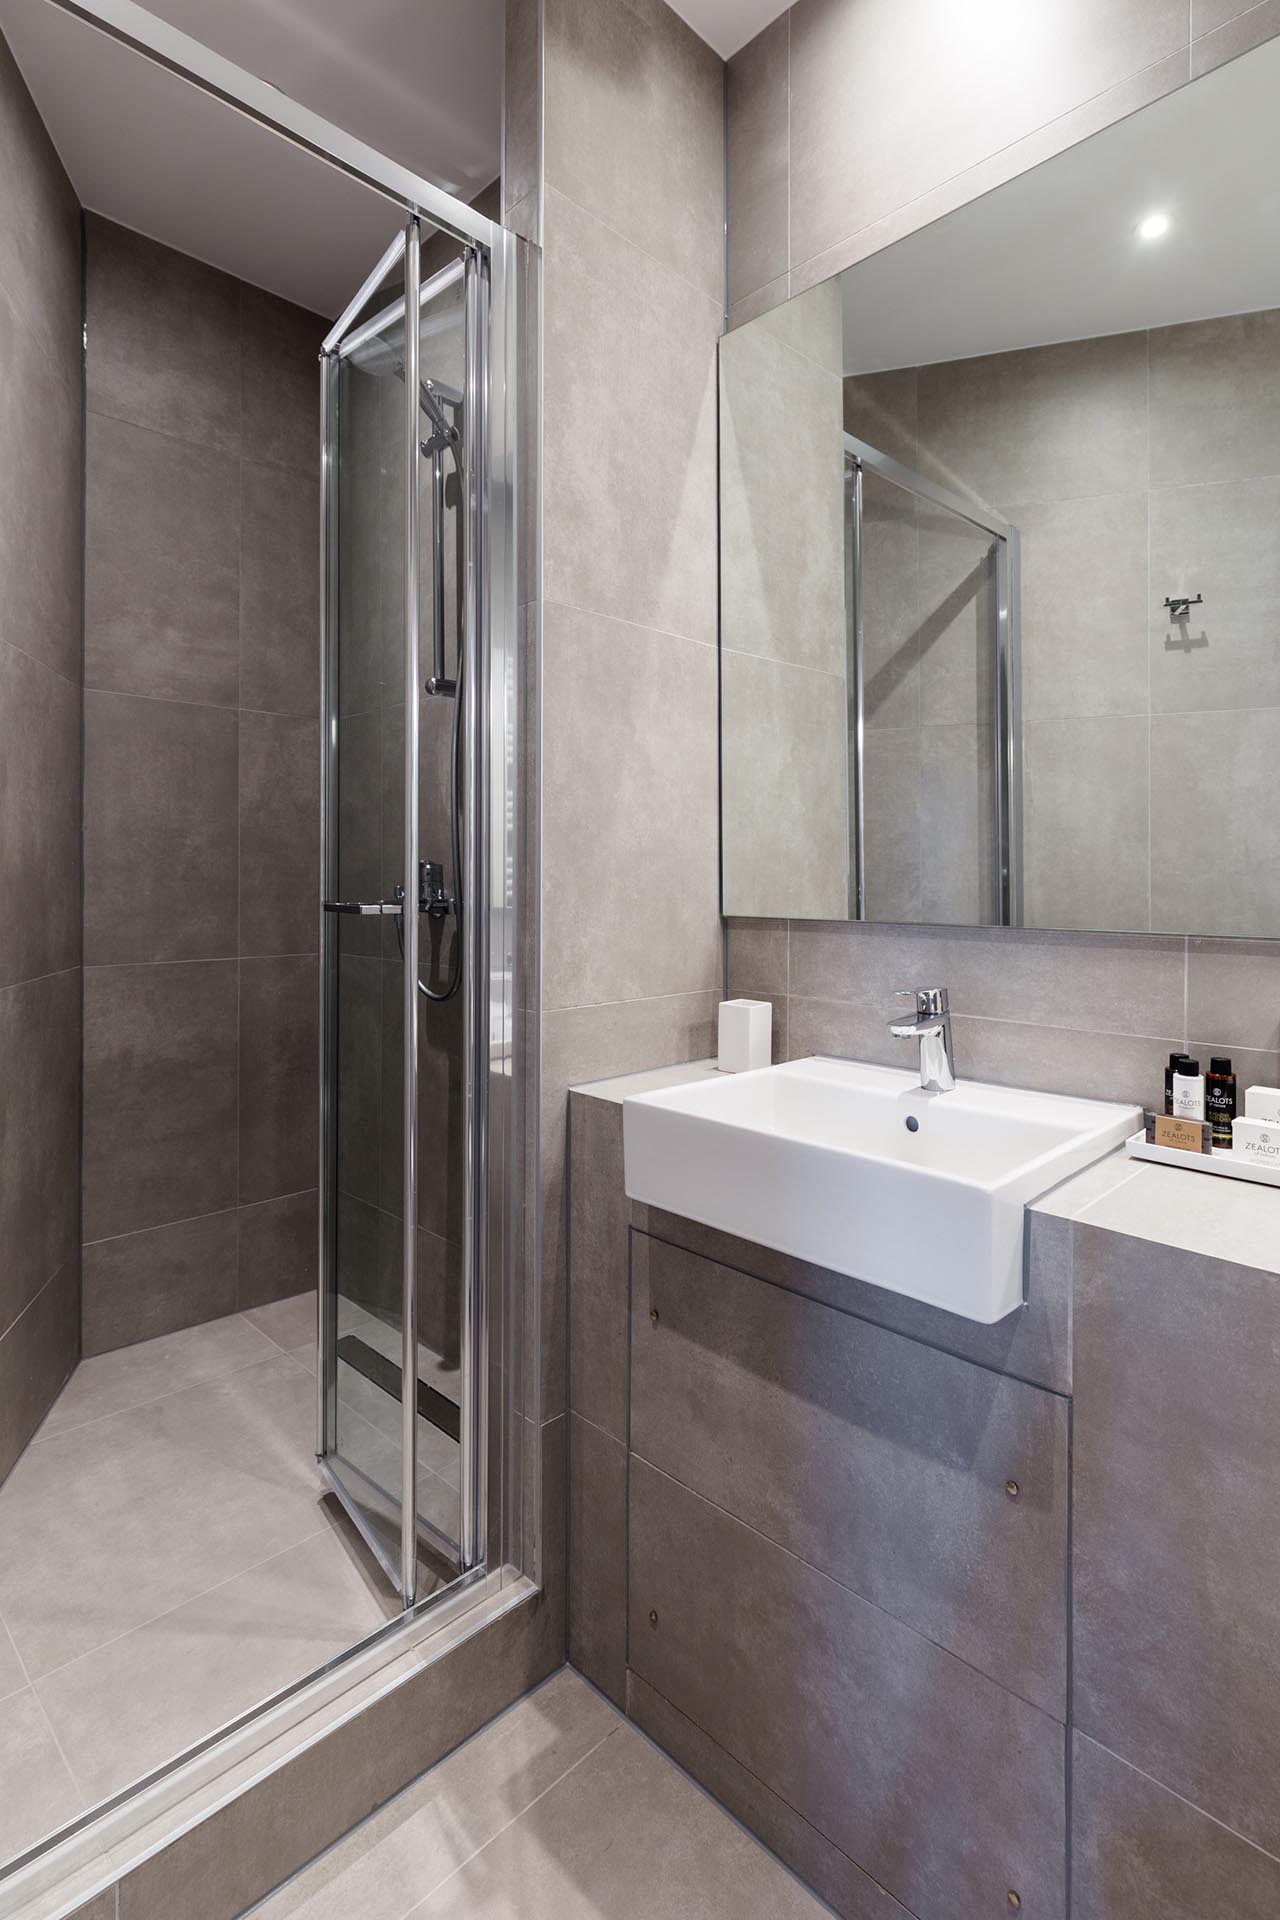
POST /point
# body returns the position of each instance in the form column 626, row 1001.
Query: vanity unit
column 962, row 1619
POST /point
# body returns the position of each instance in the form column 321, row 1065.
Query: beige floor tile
column 113, row 1382
column 383, row 1869
column 13, row 1676
column 216, row 1657
column 154, row 1506
column 37, row 1794
column 290, row 1323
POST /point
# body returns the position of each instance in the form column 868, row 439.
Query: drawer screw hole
column 1012, row 1488
column 913, row 1125
column 1014, row 1899
column 653, row 1315
column 653, row 1616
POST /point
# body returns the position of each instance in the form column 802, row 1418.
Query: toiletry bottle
column 1220, row 1099
column 1175, row 1061
column 1188, row 1089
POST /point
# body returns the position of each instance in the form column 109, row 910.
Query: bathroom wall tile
column 40, row 537
column 611, row 318
column 279, row 834
column 1248, row 30
column 892, row 787
column 39, row 228
column 955, row 613
column 1173, row 1483
column 140, row 1285
column 1218, row 541
column 850, row 1892
column 890, row 604
column 757, row 956
column 757, row 160
column 522, row 111
column 1084, row 605
column 280, row 381
column 813, row 326
column 1208, row 15
column 882, row 409
column 598, row 1558
column 634, row 116
column 629, row 881
column 39, row 818
column 1094, row 1066
column 1233, row 991
column 160, row 830
column 1215, row 869
column 159, row 1094
column 101, row 1907
column 359, row 1075
column 781, row 504
column 893, row 1707
column 1046, row 423
column 958, row 882
column 785, row 788
column 766, row 300
column 279, row 1076
column 806, row 1423
column 39, row 1135
column 279, row 590
column 1082, row 778
column 164, row 340
column 162, row 553
column 599, row 1285
column 856, row 155
column 1215, row 400
column 1138, row 1849
column 278, row 1249
column 37, row 1354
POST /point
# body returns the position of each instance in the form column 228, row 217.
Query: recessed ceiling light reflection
column 1153, row 227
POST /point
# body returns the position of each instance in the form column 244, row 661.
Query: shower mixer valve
column 433, row 897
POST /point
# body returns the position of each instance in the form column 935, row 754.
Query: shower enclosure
column 935, row 757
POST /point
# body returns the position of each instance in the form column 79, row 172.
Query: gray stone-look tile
column 160, row 830
column 39, row 1132
column 39, row 228
column 892, row 788
column 38, row 1793
column 598, row 1557
column 140, row 1285
column 1229, row 1221
column 634, row 118
column 1215, row 865
column 279, row 846
column 1176, row 1565
column 1215, row 401
column 40, row 730
column 40, row 536
column 278, row 1249
column 279, row 590
column 522, row 112
column 1208, row 15
column 1216, row 540
column 757, row 956
column 629, row 883
column 598, row 1252
column 611, row 316
column 1085, row 823
column 163, row 340
column 881, row 408
column 162, row 557
column 1233, row 993
column 109, row 1383
column 881, row 1462
column 280, row 381
column 1139, row 1850
column 890, row 603
column 1084, row 605
column 37, row 1353
column 864, row 1727
column 1249, row 29
column 1094, row 1066
column 757, row 161
column 279, row 1076
column 159, row 1094
column 958, row 883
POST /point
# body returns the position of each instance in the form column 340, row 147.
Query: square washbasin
column 855, row 1168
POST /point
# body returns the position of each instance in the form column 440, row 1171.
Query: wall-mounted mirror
column 1000, row 550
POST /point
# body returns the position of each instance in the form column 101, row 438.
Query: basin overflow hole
column 913, row 1125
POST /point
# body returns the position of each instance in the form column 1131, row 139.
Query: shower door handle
column 362, row 906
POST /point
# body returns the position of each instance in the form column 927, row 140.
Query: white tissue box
column 745, row 1035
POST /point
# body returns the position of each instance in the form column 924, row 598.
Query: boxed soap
column 1262, row 1103
column 1257, row 1141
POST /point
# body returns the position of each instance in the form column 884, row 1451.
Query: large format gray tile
column 39, row 818
column 279, row 589
column 882, row 409
column 1215, row 867
column 279, row 1076
column 881, row 1462
column 280, row 381
column 634, row 116
column 40, row 538
column 1176, row 1570
column 1139, row 1850
column 649, row 829
column 37, row 1793
column 599, row 1216
column 112, row 1382
column 893, row 853
column 864, row 1727
column 140, row 1286
column 757, row 160
column 611, row 459
column 279, row 834
column 1215, row 401
column 37, row 1353
column 163, row 341
column 1084, row 606
column 288, row 1323
column 160, row 830
column 890, row 604
column 39, row 1128
column 1217, row 540
column 598, row 1557
column 1086, row 803
column 1233, row 993
column 279, row 1249
column 162, row 555
column 159, row 1094
column 1248, row 29
column 39, row 227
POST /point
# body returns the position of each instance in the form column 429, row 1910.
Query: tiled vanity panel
column 942, row 1785
column 931, row 1487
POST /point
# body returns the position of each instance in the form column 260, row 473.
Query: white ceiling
column 422, row 83
column 1053, row 255
column 727, row 25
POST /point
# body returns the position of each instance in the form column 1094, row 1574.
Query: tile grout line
column 44, row 1715
column 154, row 1400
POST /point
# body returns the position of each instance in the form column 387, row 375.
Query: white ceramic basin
column 818, row 1159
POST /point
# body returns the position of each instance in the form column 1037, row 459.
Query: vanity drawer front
column 943, row 1786
column 934, row 1488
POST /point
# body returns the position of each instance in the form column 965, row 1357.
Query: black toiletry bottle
column 1175, row 1061
column 1220, row 1099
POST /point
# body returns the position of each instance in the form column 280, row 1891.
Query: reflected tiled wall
column 40, row 673
column 201, row 776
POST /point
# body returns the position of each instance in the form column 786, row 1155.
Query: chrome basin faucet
column 932, row 1028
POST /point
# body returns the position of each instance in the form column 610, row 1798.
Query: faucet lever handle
column 929, row 1000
